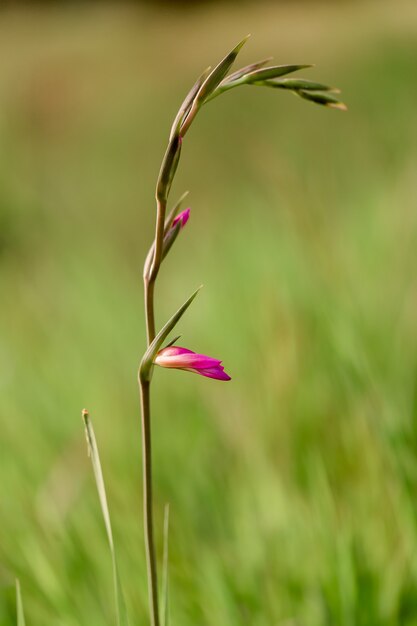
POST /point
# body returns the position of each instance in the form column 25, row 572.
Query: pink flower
column 181, row 217
column 183, row 359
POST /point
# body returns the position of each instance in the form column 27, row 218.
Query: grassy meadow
column 293, row 488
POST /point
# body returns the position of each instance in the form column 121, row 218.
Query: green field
column 293, row 488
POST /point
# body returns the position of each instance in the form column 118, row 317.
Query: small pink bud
column 183, row 359
column 181, row 217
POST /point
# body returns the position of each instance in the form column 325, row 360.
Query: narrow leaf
column 171, row 343
column 236, row 79
column 273, row 72
column 170, row 238
column 185, row 107
column 19, row 606
column 121, row 613
column 325, row 99
column 165, row 580
column 299, row 83
column 210, row 84
column 220, row 71
column 150, row 354
column 256, row 77
column 244, row 70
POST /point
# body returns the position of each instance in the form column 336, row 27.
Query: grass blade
column 165, row 589
column 244, row 70
column 255, row 74
column 300, row 83
column 268, row 73
column 19, row 606
column 121, row 613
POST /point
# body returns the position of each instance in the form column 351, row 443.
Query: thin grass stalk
column 121, row 613
column 20, row 621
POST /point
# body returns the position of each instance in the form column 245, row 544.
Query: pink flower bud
column 181, row 217
column 183, row 359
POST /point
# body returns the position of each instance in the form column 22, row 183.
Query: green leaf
column 121, row 613
column 19, row 606
column 273, row 72
column 254, row 76
column 211, row 82
column 324, row 99
column 220, row 71
column 243, row 71
column 299, row 83
column 150, row 354
column 236, row 79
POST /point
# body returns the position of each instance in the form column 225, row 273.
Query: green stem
column 149, row 288
column 147, row 502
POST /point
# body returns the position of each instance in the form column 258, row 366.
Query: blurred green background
column 293, row 488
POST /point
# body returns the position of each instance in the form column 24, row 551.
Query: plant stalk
column 144, row 385
column 149, row 288
column 147, row 501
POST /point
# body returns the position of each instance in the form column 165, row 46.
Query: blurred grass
column 292, row 489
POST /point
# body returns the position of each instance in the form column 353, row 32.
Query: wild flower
column 211, row 84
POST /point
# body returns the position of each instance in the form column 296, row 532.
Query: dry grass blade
column 19, row 606
column 121, row 613
column 165, row 581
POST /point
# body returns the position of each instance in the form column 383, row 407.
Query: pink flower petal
column 214, row 372
column 174, row 350
column 182, row 358
column 196, row 361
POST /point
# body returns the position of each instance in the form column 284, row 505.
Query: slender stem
column 147, row 502
column 149, row 290
column 149, row 286
column 150, row 278
column 168, row 168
